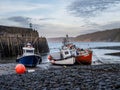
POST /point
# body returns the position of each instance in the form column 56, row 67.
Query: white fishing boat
column 82, row 56
column 70, row 54
column 63, row 57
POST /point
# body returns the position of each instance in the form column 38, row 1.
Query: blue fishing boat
column 29, row 58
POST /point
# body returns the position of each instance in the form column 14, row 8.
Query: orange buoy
column 49, row 57
column 20, row 69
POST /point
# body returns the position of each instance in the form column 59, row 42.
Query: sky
column 56, row 18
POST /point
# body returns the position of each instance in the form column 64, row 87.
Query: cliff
column 112, row 35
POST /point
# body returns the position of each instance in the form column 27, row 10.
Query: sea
column 98, row 54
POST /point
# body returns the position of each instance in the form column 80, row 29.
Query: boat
column 82, row 56
column 62, row 57
column 74, row 54
column 29, row 58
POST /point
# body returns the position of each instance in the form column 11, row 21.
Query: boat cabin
column 28, row 50
column 62, row 54
column 66, row 53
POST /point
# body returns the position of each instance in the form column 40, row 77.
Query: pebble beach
column 76, row 77
column 52, row 77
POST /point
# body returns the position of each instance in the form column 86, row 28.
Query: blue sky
column 56, row 18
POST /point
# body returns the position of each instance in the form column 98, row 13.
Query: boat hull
column 30, row 60
column 84, row 59
column 68, row 61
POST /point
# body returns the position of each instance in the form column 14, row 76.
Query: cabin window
column 29, row 51
column 66, row 53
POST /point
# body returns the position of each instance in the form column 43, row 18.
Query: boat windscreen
column 66, row 52
column 29, row 51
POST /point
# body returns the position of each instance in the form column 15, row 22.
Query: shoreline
column 110, row 48
column 114, row 54
column 76, row 77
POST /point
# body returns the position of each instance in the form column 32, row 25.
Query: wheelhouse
column 28, row 51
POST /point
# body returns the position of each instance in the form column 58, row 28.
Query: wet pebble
column 79, row 77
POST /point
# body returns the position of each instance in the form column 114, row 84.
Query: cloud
column 21, row 6
column 98, row 27
column 90, row 8
column 20, row 19
column 25, row 21
column 111, row 25
column 44, row 19
column 52, row 19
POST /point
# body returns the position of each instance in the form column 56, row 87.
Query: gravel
column 76, row 77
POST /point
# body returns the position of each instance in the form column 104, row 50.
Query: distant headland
column 112, row 35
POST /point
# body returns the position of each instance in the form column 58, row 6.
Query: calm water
column 97, row 53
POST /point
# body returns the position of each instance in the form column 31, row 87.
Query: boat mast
column 66, row 40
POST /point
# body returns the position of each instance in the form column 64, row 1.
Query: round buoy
column 20, row 69
column 49, row 57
